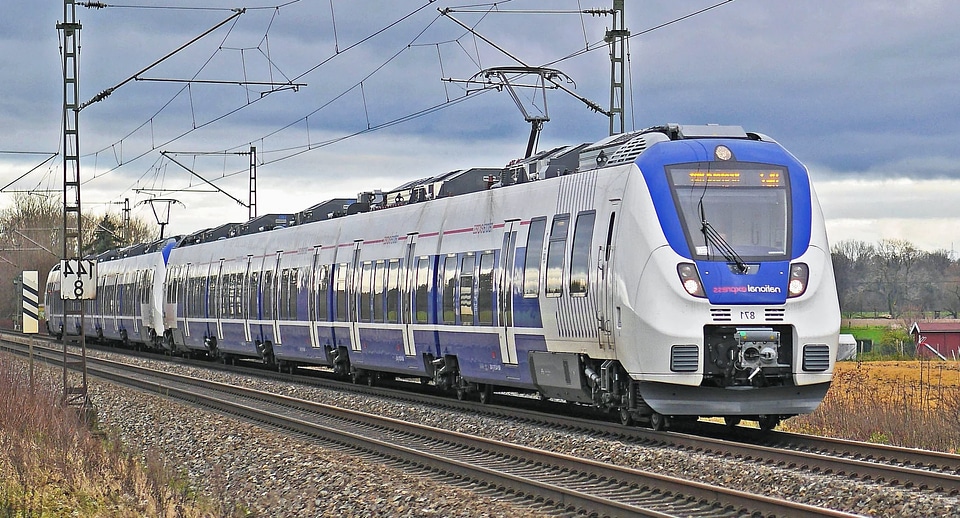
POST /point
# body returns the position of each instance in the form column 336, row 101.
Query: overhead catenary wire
column 292, row 151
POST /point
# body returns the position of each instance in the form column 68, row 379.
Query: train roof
column 559, row 161
column 133, row 250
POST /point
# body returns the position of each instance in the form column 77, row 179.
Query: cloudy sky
column 342, row 96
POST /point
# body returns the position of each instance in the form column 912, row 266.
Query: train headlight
column 690, row 279
column 799, row 273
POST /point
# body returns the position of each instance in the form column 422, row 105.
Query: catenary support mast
column 74, row 372
column 616, row 38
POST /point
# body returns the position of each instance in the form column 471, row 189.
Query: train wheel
column 356, row 376
column 486, row 394
column 768, row 422
column 626, row 419
column 659, row 422
column 372, row 379
column 731, row 420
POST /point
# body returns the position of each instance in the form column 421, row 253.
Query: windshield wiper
column 716, row 239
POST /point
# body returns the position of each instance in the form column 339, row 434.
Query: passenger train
column 669, row 273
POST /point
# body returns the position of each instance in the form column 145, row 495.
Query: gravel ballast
column 248, row 467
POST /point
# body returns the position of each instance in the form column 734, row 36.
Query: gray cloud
column 861, row 91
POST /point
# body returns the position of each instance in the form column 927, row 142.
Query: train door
column 354, row 290
column 271, row 289
column 248, row 292
column 216, row 297
column 408, row 291
column 607, row 317
column 189, row 302
column 314, row 294
column 508, row 343
column 253, row 301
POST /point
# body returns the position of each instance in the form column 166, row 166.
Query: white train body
column 129, row 302
column 678, row 271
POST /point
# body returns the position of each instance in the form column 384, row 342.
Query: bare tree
column 30, row 239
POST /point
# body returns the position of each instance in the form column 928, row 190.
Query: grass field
column 905, row 403
column 52, row 464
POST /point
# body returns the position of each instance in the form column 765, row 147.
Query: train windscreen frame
column 747, row 204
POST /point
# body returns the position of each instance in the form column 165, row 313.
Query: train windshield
column 735, row 211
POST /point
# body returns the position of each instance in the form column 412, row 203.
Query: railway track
column 570, row 484
column 906, row 467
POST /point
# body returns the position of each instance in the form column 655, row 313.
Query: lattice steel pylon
column 74, row 372
column 616, row 38
column 252, row 204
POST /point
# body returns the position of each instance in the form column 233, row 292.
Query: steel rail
column 567, row 482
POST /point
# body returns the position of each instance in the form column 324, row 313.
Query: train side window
column 171, row 286
column 485, row 289
column 283, row 308
column 296, row 277
column 196, row 296
column 188, row 288
column 225, row 280
column 213, row 289
column 239, row 295
column 555, row 255
column 147, row 286
column 534, row 255
column 466, row 289
column 366, row 275
column 580, row 253
column 323, row 287
column 393, row 291
column 449, row 289
column 422, row 290
column 267, row 297
column 379, row 291
column 253, row 293
column 607, row 250
column 341, row 292
column 233, row 292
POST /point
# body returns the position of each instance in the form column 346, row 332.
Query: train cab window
column 466, row 289
column 421, row 305
column 556, row 250
column 580, row 253
column 485, row 289
column 534, row 255
column 366, row 278
column 323, row 289
column 341, row 292
column 393, row 291
column 449, row 289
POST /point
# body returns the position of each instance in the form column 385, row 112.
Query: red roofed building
column 937, row 338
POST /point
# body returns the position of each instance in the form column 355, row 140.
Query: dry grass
column 905, row 403
column 52, row 465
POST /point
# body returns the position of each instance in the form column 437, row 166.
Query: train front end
column 735, row 313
